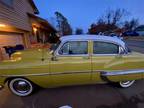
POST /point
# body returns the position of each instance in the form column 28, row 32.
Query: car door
column 107, row 58
column 72, row 64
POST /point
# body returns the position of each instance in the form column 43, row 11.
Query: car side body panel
column 126, row 67
column 27, row 64
column 70, row 71
column 47, row 70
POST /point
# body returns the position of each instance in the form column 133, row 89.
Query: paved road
column 88, row 96
column 136, row 45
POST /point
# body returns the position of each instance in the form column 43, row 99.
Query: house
column 19, row 24
column 140, row 30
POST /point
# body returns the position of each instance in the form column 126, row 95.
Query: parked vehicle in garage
column 75, row 60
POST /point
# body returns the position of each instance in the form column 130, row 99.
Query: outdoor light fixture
column 1, row 87
column 35, row 29
column 2, row 25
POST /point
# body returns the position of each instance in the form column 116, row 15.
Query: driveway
column 88, row 96
column 135, row 43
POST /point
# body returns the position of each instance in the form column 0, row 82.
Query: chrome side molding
column 115, row 73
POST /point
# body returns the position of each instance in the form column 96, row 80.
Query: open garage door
column 11, row 39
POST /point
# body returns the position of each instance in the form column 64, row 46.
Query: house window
column 7, row 2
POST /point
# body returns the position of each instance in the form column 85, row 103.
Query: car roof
column 93, row 37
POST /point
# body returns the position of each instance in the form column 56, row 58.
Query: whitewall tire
column 126, row 84
column 20, row 87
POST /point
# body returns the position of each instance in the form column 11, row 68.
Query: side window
column 74, row 48
column 105, row 48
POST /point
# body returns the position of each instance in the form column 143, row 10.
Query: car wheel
column 21, row 87
column 125, row 84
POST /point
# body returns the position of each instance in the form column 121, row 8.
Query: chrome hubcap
column 126, row 82
column 21, row 86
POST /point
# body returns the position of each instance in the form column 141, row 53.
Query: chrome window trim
column 78, row 55
column 72, row 55
column 105, row 54
column 63, row 42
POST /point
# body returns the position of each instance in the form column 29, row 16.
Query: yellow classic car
column 74, row 60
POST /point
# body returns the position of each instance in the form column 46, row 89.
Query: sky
column 82, row 13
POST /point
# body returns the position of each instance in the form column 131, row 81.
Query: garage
column 10, row 39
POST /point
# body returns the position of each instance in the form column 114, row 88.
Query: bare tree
column 108, row 22
column 108, row 16
column 131, row 25
column 62, row 24
column 101, row 21
column 114, row 17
